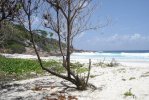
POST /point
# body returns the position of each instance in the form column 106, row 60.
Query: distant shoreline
column 127, row 51
column 113, row 51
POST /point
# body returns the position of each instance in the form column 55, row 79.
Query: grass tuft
column 129, row 94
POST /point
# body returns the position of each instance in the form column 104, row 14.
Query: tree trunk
column 68, row 41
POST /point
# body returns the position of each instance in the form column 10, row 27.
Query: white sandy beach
column 113, row 83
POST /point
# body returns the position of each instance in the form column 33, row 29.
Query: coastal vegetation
column 17, row 69
column 103, row 64
column 64, row 18
column 38, row 59
column 16, row 39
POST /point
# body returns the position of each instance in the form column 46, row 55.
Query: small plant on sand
column 100, row 63
column 129, row 94
column 113, row 63
column 103, row 64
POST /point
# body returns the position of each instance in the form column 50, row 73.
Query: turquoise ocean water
column 121, row 55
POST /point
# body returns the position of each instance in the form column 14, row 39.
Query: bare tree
column 29, row 7
column 67, row 19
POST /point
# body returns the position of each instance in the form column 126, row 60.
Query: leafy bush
column 78, row 67
column 17, row 48
column 46, row 48
column 55, row 66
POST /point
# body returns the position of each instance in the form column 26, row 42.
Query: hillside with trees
column 16, row 39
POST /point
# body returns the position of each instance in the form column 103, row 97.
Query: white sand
column 112, row 83
column 23, row 56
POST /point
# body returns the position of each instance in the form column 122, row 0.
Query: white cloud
column 133, row 41
column 124, row 37
column 135, row 36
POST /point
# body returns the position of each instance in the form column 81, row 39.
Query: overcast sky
column 128, row 30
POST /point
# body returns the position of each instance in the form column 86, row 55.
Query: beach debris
column 37, row 88
column 72, row 98
column 60, row 96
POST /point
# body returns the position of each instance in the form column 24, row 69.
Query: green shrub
column 55, row 66
column 47, row 48
column 17, row 48
column 78, row 67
